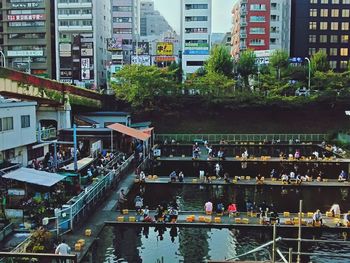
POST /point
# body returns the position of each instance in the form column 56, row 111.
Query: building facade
column 17, row 130
column 261, row 25
column 26, row 36
column 195, row 32
column 82, row 28
column 322, row 25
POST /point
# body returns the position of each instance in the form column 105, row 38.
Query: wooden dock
column 204, row 158
column 241, row 220
column 251, row 181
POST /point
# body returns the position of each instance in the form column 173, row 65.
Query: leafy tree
column 247, row 66
column 319, row 62
column 220, row 61
column 279, row 60
column 176, row 69
column 141, row 85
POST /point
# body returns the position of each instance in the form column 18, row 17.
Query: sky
column 170, row 9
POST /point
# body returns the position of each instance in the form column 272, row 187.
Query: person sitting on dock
column 181, row 177
column 259, row 179
column 218, row 170
column 138, row 204
column 347, row 219
column 173, row 176
column 122, row 200
column 335, row 210
column 319, row 177
column 208, row 207
column 264, row 216
column 315, row 155
column 196, row 151
column 142, row 177
column 173, row 214
column 159, row 216
column 342, row 176
column 232, row 209
column 226, row 177
column 273, row 174
column 274, row 217
column 297, row 154
column 317, row 217
column 220, row 208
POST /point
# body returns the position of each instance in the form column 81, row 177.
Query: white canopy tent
column 32, row 176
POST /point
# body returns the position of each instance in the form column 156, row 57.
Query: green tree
column 279, row 60
column 220, row 61
column 319, row 62
column 176, row 69
column 141, row 85
column 247, row 66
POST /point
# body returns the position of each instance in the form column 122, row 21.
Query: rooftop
column 106, row 113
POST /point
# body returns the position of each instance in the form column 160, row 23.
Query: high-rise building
column 321, row 25
column 151, row 21
column 26, row 36
column 195, row 32
column 125, row 28
column 261, row 25
column 82, row 30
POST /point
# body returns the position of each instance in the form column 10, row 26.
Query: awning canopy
column 129, row 131
column 32, row 176
column 148, row 130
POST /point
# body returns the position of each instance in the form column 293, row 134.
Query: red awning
column 148, row 130
column 129, row 131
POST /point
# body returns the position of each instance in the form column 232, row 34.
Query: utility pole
column 309, row 66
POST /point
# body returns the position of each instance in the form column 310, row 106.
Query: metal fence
column 75, row 210
column 46, row 134
column 7, row 230
column 214, row 138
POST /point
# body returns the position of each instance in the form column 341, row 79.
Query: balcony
column 74, row 28
column 73, row 5
column 47, row 134
column 243, row 23
column 244, row 1
column 243, row 35
column 75, row 17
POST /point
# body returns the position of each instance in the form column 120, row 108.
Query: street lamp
column 4, row 59
column 309, row 64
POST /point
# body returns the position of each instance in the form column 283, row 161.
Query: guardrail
column 212, row 138
column 7, row 230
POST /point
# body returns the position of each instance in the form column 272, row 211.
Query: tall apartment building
column 82, row 30
column 26, row 36
column 195, row 32
column 322, row 25
column 151, row 21
column 125, row 27
column 261, row 25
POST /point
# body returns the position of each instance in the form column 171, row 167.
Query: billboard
column 114, row 69
column 196, row 49
column 142, row 48
column 141, row 60
column 165, row 49
column 85, row 68
column 164, row 58
column 25, row 53
column 65, row 49
column 115, row 44
column 25, row 17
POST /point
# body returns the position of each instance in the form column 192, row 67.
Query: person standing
column 122, row 200
column 63, row 249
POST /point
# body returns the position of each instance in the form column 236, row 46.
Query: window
column 196, row 30
column 257, row 7
column 345, row 13
column 196, row 18
column 334, row 39
column 196, row 6
column 343, row 64
column 335, row 13
column 322, row 49
column 257, row 42
column 335, row 1
column 334, row 26
column 312, row 51
column 344, row 52
column 312, row 25
column 324, row 1
column 10, row 154
column 25, row 121
column 323, row 38
column 344, row 38
column 122, row 19
column 324, row 13
column 323, row 25
column 333, row 51
column 194, row 63
column 257, row 30
column 345, row 26
column 312, row 38
column 313, row 1
column 7, row 123
column 122, row 8
column 313, row 12
column 346, row 1
column 333, row 64
column 257, row 19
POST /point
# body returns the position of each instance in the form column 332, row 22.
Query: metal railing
column 46, row 134
column 212, row 138
column 7, row 230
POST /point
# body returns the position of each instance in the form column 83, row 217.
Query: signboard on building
column 25, row 53
column 26, row 17
column 164, row 58
column 66, row 73
column 65, row 49
column 86, row 49
column 142, row 48
column 263, row 56
column 114, row 69
column 24, row 5
column 165, row 49
column 196, row 49
column 85, row 68
column 115, row 44
column 141, row 60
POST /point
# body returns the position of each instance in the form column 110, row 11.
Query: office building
column 321, row 25
column 261, row 25
column 195, row 32
column 151, row 21
column 26, row 36
column 82, row 30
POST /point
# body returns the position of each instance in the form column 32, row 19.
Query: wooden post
column 274, row 244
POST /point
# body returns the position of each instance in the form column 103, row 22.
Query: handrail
column 6, row 231
column 38, row 255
